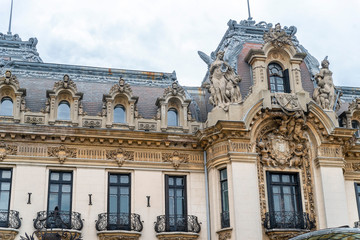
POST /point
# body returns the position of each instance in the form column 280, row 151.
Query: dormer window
column 63, row 112
column 172, row 117
column 6, row 108
column 278, row 79
column 119, row 114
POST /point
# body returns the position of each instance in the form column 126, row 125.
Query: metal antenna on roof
column 250, row 18
column 9, row 31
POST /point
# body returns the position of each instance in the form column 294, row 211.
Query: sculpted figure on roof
column 224, row 83
column 324, row 94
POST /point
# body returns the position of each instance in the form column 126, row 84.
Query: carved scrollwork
column 121, row 87
column 66, row 83
column 278, row 37
column 284, row 145
column 120, row 156
column 6, row 149
column 34, row 119
column 91, row 123
column 10, row 79
column 62, row 153
column 175, row 158
column 174, row 89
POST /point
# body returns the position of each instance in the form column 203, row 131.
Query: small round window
column 119, row 114
column 6, row 108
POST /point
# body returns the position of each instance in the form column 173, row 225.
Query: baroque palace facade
column 265, row 149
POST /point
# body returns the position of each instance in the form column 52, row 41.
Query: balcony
column 287, row 220
column 10, row 219
column 127, row 222
column 9, row 223
column 58, row 220
column 182, row 226
column 225, row 219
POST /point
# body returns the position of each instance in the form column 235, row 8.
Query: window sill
column 177, row 235
column 118, row 234
column 8, row 233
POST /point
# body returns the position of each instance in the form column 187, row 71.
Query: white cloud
column 163, row 36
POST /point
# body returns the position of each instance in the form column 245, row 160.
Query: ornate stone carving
column 147, row 126
column 121, row 87
column 175, row 158
column 288, row 102
column 284, row 143
column 224, row 83
column 10, row 79
column 284, row 146
column 278, row 37
column 119, row 235
column 8, row 234
column 6, row 149
column 66, row 83
column 33, row 119
column 120, row 156
column 324, row 94
column 283, row 235
column 62, row 153
column 91, row 123
column 175, row 88
column 224, row 234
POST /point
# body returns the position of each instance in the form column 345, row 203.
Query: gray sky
column 165, row 35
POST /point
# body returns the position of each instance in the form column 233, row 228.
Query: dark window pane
column 119, row 114
column 6, row 108
column 60, row 191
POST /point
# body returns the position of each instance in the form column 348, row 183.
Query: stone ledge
column 177, row 236
column 71, row 234
column 224, row 233
column 118, row 235
column 284, row 234
column 8, row 233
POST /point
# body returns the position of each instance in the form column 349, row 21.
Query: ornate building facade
column 266, row 148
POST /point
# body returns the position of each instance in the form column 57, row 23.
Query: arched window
column 6, row 108
column 278, row 79
column 172, row 117
column 355, row 124
column 63, row 112
column 119, row 114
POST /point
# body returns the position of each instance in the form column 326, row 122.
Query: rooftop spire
column 250, row 18
column 9, row 31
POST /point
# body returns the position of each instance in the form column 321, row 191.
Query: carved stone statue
column 224, row 83
column 324, row 94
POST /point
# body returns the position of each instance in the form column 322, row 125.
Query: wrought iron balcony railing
column 288, row 220
column 10, row 219
column 177, row 223
column 58, row 219
column 225, row 219
column 114, row 221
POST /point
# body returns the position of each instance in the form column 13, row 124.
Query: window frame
column 115, row 226
column 63, row 102
column 225, row 223
column 175, row 111
column 356, row 125
column 357, row 195
column 12, row 106
column 5, row 223
column 170, row 228
column 285, row 79
column 60, row 184
column 121, row 106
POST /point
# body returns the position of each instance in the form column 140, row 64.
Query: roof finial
column 9, row 31
column 250, row 18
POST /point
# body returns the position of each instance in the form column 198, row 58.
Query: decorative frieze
column 8, row 234
column 147, row 126
column 120, row 156
column 118, row 235
column 34, row 119
column 330, row 151
column 62, row 153
column 175, row 158
column 92, row 123
column 6, row 149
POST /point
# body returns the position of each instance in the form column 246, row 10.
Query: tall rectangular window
column 225, row 218
column 285, row 209
column 59, row 199
column 357, row 192
column 5, row 189
column 119, row 202
column 175, row 203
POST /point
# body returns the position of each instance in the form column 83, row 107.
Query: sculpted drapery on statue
column 324, row 94
column 224, row 82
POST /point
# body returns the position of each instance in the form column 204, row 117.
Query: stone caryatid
column 224, row 83
column 324, row 94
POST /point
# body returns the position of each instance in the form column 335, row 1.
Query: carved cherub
column 296, row 161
